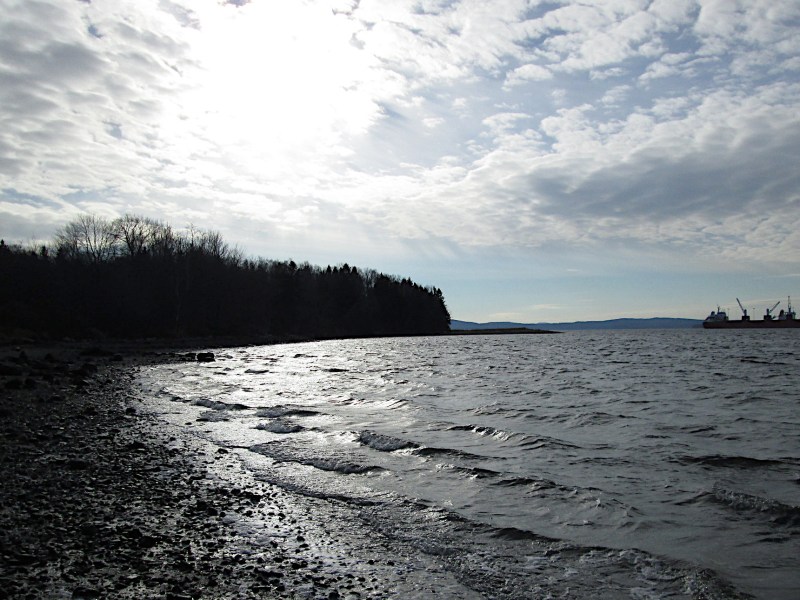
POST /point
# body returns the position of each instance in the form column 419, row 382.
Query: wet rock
column 77, row 464
column 84, row 593
column 147, row 541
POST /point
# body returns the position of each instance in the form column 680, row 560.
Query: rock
column 147, row 541
column 205, row 357
column 7, row 370
column 13, row 384
column 84, row 593
column 96, row 351
column 86, row 369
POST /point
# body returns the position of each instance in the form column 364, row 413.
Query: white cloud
column 519, row 124
column 526, row 73
column 616, row 95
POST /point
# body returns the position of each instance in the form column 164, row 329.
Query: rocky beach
column 100, row 500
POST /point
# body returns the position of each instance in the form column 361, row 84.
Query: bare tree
column 88, row 236
column 235, row 257
column 212, row 244
column 135, row 233
column 165, row 242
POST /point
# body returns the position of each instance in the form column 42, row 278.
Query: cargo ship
column 785, row 319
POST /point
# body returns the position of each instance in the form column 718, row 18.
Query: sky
column 537, row 161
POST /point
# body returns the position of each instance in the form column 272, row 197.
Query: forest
column 136, row 277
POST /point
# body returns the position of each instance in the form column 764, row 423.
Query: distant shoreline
column 499, row 331
column 622, row 323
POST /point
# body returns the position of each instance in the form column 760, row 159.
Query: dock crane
column 768, row 316
column 745, row 317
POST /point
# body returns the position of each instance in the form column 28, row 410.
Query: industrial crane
column 768, row 316
column 744, row 311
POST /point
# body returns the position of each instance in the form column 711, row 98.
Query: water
column 641, row 464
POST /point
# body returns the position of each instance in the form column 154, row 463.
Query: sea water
column 643, row 464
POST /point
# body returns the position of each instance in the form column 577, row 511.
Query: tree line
column 135, row 277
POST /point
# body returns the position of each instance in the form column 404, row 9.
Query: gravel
column 99, row 500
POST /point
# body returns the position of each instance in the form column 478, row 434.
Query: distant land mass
column 653, row 323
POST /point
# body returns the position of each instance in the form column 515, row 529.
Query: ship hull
column 774, row 324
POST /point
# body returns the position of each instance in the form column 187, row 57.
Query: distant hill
column 654, row 323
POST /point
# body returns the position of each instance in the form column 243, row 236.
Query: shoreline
column 101, row 499
column 159, row 346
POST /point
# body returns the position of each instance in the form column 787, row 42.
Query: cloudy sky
column 538, row 161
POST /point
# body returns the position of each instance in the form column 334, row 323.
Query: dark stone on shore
column 96, row 351
column 85, row 369
column 7, row 370
column 83, row 593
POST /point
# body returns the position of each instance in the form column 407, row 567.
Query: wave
column 598, row 418
column 384, row 443
column 340, row 466
column 763, row 361
column 428, row 451
column 218, row 405
column 333, row 464
column 521, row 439
column 474, row 472
column 273, row 412
column 279, row 426
column 484, row 430
column 214, row 416
column 527, row 481
column 516, row 534
column 778, row 512
column 730, row 462
column 540, row 442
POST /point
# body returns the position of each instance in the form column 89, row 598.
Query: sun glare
column 281, row 82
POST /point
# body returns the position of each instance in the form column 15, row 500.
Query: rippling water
column 646, row 464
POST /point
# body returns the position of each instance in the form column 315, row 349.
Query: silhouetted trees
column 137, row 277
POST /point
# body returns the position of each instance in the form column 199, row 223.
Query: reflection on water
column 630, row 445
